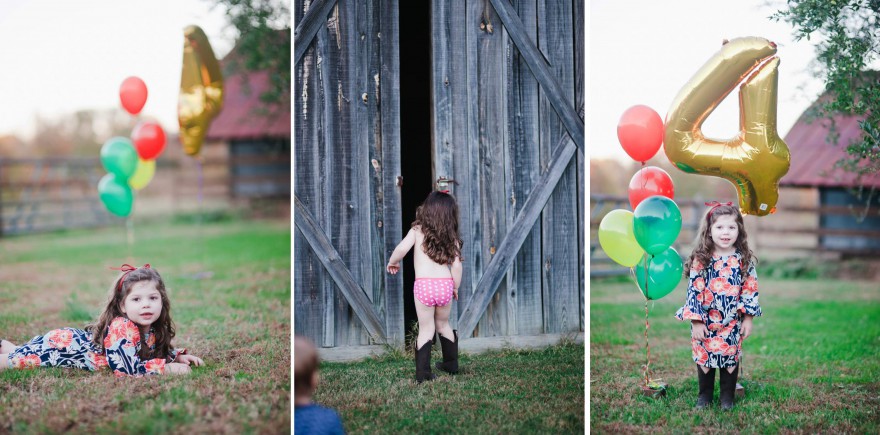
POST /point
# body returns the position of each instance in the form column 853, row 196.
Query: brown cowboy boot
column 423, row 363
column 707, row 387
column 450, row 354
column 728, row 387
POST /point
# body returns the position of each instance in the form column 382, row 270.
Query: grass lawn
column 812, row 364
column 229, row 286
column 509, row 391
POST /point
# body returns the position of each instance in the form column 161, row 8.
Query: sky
column 643, row 52
column 57, row 57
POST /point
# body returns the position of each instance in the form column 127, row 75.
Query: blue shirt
column 316, row 419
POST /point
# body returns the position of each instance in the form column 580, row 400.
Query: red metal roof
column 243, row 115
column 813, row 158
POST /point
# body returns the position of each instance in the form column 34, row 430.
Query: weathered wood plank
column 309, row 25
column 579, row 92
column 557, row 94
column 517, row 233
column 389, row 145
column 334, row 265
column 559, row 227
column 523, row 122
column 492, row 116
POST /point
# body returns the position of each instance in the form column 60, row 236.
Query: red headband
column 714, row 204
column 126, row 268
column 444, row 191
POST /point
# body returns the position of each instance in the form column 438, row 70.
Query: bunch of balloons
column 643, row 238
column 130, row 163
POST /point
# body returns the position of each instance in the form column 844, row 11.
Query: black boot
column 423, row 363
column 450, row 354
column 707, row 387
column 728, row 387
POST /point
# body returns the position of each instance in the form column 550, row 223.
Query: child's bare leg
column 4, row 361
column 426, row 323
column 441, row 322
column 731, row 369
column 704, row 368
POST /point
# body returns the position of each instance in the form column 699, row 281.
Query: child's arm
column 188, row 359
column 400, row 251
column 456, row 276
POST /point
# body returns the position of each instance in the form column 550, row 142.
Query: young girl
column 722, row 299
column 438, row 274
column 132, row 336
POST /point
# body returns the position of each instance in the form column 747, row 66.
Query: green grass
column 229, row 285
column 811, row 365
column 506, row 391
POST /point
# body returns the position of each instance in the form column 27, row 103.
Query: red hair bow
column 126, row 268
column 714, row 205
column 444, row 191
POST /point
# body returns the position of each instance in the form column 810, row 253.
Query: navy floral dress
column 70, row 347
column 717, row 295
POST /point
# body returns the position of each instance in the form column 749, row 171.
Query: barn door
column 506, row 128
column 346, row 168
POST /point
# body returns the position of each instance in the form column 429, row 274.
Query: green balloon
column 119, row 157
column 656, row 223
column 664, row 273
column 617, row 240
column 116, row 195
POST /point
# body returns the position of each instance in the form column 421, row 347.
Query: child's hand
column 393, row 268
column 189, row 359
column 746, row 327
column 699, row 331
column 177, row 369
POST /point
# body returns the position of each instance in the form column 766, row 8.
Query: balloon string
column 647, row 325
column 201, row 252
column 129, row 230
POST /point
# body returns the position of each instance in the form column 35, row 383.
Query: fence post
column 2, row 162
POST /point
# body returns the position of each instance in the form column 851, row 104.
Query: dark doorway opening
column 415, row 128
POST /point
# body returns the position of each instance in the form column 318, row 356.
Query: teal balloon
column 664, row 273
column 119, row 157
column 116, row 195
column 656, row 223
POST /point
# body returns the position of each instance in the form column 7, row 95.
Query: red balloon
column 133, row 94
column 649, row 181
column 149, row 139
column 640, row 132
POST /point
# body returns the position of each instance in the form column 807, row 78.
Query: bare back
column 426, row 267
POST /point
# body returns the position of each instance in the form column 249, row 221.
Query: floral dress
column 70, row 347
column 717, row 295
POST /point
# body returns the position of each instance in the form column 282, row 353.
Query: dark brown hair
column 163, row 327
column 305, row 364
column 705, row 246
column 437, row 219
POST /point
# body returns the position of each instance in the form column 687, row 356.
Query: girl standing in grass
column 722, row 299
column 438, row 274
column 132, row 336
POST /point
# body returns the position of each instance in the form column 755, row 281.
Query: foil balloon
column 201, row 90
column 757, row 157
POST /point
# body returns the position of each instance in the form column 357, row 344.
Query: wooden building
column 390, row 96
column 849, row 222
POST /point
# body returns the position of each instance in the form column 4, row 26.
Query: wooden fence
column 793, row 231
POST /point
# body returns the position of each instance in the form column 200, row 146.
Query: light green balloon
column 119, row 157
column 664, row 273
column 116, row 195
column 617, row 238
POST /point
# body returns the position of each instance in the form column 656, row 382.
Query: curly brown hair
column 705, row 247
column 163, row 327
column 437, row 219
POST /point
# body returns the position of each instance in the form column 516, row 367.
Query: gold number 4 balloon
column 201, row 89
column 757, row 157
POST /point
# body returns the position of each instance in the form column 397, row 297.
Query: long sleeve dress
column 717, row 295
column 71, row 347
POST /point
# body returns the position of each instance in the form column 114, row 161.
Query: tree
column 848, row 44
column 263, row 43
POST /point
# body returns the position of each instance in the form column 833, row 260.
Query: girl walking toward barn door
column 722, row 299
column 438, row 270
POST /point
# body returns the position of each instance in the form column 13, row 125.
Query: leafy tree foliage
column 847, row 35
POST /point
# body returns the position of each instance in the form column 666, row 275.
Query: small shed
column 257, row 134
column 849, row 222
column 391, row 96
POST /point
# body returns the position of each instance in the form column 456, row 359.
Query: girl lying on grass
column 132, row 336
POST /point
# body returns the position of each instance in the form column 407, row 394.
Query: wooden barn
column 849, row 222
column 389, row 97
